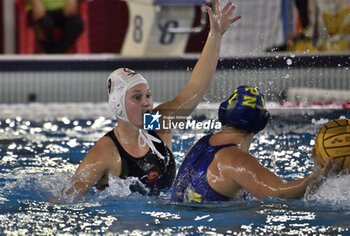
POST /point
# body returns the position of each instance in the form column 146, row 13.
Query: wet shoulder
column 232, row 155
column 105, row 150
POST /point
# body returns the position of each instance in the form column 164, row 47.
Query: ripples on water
column 40, row 152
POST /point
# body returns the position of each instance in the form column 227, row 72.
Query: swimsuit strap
column 151, row 136
column 206, row 140
column 122, row 151
column 225, row 145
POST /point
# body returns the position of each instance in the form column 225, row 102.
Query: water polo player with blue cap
column 219, row 167
column 130, row 151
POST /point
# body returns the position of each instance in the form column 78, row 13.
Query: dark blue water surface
column 39, row 156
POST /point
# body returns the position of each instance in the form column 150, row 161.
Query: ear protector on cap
column 245, row 109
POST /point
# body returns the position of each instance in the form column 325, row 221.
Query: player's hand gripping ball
column 333, row 141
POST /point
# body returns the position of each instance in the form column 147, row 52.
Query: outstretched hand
column 220, row 21
column 331, row 167
column 321, row 172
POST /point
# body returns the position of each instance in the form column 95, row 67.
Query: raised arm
column 189, row 97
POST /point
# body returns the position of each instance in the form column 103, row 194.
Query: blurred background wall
column 293, row 49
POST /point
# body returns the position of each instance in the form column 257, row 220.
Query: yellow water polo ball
column 333, row 141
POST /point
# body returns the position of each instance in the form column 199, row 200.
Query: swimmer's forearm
column 76, row 191
column 294, row 189
column 297, row 188
column 207, row 62
column 204, row 70
column 79, row 188
column 69, row 195
column 200, row 78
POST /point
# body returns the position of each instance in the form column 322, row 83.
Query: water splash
column 36, row 186
column 119, row 188
column 334, row 191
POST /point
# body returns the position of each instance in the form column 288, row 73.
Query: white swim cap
column 119, row 81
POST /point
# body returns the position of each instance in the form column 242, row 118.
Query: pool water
column 41, row 145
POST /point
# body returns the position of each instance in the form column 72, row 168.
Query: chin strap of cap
column 149, row 139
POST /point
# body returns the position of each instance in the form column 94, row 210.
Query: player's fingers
column 217, row 7
column 210, row 12
column 227, row 8
column 328, row 166
column 337, row 165
column 235, row 19
column 230, row 10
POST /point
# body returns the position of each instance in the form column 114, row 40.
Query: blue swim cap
column 245, row 109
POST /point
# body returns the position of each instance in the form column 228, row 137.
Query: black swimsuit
column 154, row 172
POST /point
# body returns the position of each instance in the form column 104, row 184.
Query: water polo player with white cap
column 129, row 151
column 156, row 169
column 220, row 168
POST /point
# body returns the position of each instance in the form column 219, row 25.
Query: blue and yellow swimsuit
column 191, row 184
